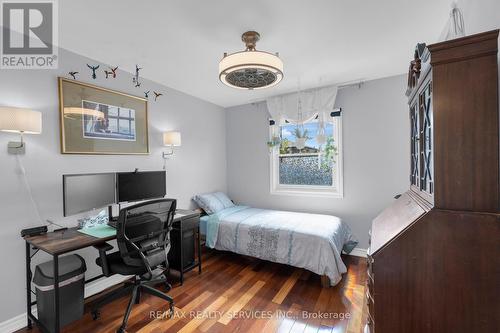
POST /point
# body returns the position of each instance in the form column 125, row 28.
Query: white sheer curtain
column 317, row 102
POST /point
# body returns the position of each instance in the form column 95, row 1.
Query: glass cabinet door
column 426, row 139
column 415, row 144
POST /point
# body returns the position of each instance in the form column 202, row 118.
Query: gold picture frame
column 101, row 121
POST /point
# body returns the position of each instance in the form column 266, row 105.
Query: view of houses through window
column 307, row 157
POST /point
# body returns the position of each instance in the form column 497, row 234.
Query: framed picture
column 96, row 120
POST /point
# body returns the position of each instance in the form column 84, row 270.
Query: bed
column 310, row 241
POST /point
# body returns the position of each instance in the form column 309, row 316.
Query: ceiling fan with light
column 251, row 69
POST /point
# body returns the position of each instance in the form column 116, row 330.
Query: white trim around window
column 335, row 191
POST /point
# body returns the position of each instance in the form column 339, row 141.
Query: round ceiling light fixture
column 251, row 69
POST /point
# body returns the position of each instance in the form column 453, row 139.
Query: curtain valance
column 316, row 102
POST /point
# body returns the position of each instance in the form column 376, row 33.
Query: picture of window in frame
column 97, row 120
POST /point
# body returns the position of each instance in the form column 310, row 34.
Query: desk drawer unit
column 184, row 239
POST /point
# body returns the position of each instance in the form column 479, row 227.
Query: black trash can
column 71, row 290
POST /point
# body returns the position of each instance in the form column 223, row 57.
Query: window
column 313, row 167
column 118, row 123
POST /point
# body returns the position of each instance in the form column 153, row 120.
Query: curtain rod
column 342, row 85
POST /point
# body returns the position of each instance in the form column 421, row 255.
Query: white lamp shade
column 20, row 120
column 172, row 138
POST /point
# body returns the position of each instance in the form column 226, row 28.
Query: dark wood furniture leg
column 56, row 294
column 29, row 323
column 199, row 250
column 182, row 257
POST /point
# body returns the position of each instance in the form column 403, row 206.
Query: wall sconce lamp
column 18, row 120
column 171, row 139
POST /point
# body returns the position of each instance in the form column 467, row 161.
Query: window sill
column 307, row 193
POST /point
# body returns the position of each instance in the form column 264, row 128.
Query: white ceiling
column 179, row 43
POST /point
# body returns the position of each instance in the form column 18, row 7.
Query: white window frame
column 310, row 190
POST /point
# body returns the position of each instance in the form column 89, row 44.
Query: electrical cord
column 30, row 194
column 28, row 189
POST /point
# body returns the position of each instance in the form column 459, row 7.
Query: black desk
column 61, row 242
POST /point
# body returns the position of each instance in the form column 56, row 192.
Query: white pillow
column 214, row 202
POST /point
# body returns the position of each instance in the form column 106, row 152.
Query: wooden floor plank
column 165, row 323
column 314, row 323
column 287, row 286
column 194, row 323
column 289, row 320
column 230, row 290
column 358, row 303
column 238, row 324
column 298, row 327
column 241, row 302
column 259, row 305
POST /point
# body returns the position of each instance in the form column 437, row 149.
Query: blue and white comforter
column 310, row 241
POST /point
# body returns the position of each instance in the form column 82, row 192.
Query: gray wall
column 376, row 155
column 198, row 166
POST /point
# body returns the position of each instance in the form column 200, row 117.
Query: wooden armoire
column 434, row 255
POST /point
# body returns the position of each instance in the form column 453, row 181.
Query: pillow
column 212, row 203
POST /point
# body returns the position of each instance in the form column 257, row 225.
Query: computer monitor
column 136, row 186
column 85, row 192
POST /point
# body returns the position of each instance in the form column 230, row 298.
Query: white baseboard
column 14, row 324
column 358, row 252
column 95, row 287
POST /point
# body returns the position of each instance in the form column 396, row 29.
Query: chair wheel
column 120, row 330
column 96, row 314
column 168, row 286
column 171, row 310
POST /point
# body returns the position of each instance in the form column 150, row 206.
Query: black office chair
column 143, row 237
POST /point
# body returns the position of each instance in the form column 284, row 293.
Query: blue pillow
column 212, row 203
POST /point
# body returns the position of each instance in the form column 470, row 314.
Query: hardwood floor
column 231, row 288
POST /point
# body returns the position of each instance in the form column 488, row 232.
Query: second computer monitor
column 136, row 186
column 85, row 192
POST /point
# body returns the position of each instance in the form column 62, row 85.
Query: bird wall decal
column 93, row 69
column 73, row 75
column 135, row 79
column 146, row 94
column 112, row 72
column 157, row 95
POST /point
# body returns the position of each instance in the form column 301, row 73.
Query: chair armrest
column 103, row 248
